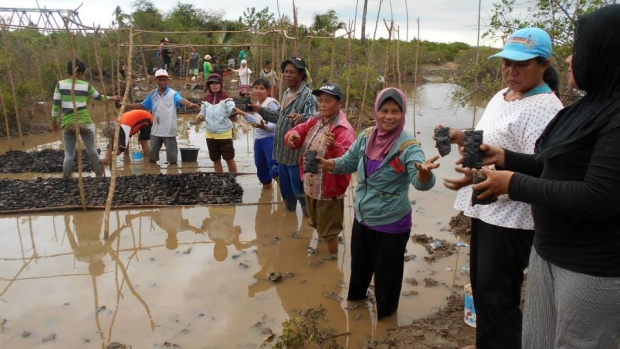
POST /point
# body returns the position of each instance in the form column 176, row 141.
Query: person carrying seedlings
column 328, row 135
column 387, row 160
column 163, row 103
column 571, row 182
column 63, row 106
column 216, row 110
column 266, row 165
column 131, row 123
column 298, row 105
column 502, row 232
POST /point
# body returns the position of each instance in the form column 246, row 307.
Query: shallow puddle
column 196, row 276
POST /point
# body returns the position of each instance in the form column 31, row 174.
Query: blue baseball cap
column 525, row 44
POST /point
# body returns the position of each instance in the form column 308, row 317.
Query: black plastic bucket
column 189, row 154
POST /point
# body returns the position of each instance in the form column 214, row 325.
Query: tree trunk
column 363, row 38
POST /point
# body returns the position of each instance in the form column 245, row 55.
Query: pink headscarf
column 381, row 142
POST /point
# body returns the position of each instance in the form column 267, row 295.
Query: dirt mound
column 444, row 329
column 49, row 194
column 45, row 161
column 460, row 225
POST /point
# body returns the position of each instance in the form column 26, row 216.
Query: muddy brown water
column 195, row 276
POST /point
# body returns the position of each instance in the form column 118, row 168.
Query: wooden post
column 114, row 147
column 415, row 77
column 6, row 121
column 368, row 65
column 76, row 120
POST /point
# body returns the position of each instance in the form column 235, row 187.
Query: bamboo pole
column 386, row 70
column 114, row 147
column 397, row 55
column 296, row 27
column 407, row 16
column 146, row 68
column 333, row 63
column 6, row 120
column 350, row 33
column 415, row 77
column 359, row 120
column 76, row 121
column 473, row 121
column 9, row 72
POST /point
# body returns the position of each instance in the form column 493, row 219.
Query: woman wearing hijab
column 573, row 283
column 216, row 109
column 502, row 232
column 387, row 159
column 244, row 78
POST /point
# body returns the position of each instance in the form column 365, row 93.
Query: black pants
column 383, row 255
column 498, row 258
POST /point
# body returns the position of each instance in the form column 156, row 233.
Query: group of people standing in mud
column 551, row 172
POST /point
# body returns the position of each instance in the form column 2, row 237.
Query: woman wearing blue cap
column 502, row 232
column 573, row 286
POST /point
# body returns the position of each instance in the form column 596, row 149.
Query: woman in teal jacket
column 387, row 159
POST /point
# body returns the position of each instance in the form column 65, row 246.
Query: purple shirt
column 400, row 226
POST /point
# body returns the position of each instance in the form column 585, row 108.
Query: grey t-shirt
column 194, row 59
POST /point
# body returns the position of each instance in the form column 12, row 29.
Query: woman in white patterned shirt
column 502, row 232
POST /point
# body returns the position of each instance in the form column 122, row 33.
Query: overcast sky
column 440, row 20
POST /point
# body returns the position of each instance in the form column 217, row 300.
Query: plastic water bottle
column 464, row 270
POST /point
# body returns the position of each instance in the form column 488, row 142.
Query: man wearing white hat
column 163, row 103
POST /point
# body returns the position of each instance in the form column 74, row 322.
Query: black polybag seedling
column 473, row 156
column 442, row 140
column 310, row 163
column 479, row 178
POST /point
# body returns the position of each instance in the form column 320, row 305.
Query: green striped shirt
column 63, row 104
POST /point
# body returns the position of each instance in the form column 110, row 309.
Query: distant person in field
column 207, row 68
column 217, row 67
column 164, row 54
column 243, row 54
column 270, row 74
column 63, row 107
column 244, row 73
column 194, row 65
column 163, row 103
column 131, row 123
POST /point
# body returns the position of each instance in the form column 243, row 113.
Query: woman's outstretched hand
column 425, row 169
column 323, row 164
column 456, row 184
column 496, row 184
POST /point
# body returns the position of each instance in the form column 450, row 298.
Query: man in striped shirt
column 298, row 105
column 63, row 106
